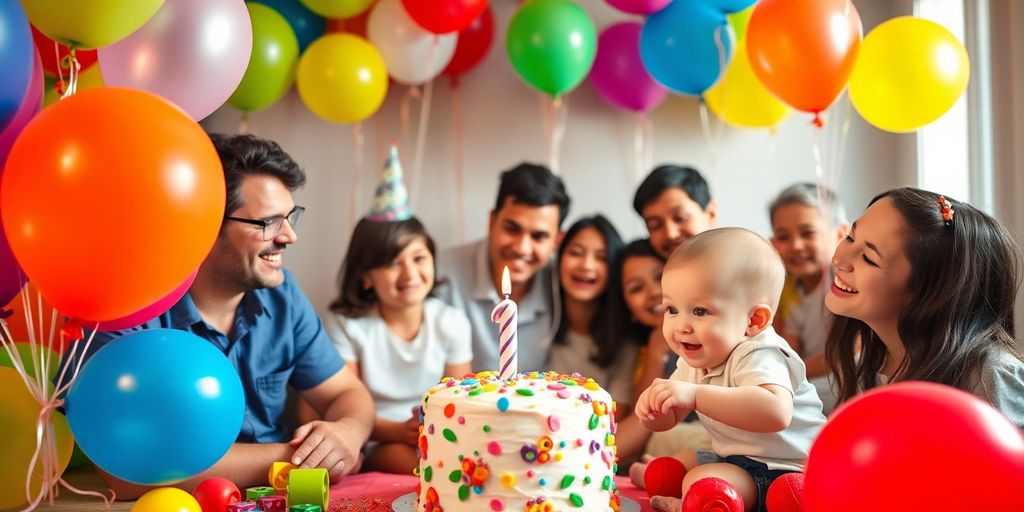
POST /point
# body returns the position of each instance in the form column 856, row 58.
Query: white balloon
column 412, row 54
column 191, row 52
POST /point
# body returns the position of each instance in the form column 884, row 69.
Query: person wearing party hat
column 386, row 324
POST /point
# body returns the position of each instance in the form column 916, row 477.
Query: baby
column 748, row 387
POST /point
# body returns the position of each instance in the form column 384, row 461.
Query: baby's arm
column 765, row 408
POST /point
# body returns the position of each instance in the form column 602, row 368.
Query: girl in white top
column 398, row 339
column 591, row 338
column 807, row 223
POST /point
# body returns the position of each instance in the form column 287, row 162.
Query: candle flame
column 506, row 283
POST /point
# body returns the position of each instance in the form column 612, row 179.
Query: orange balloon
column 110, row 199
column 803, row 51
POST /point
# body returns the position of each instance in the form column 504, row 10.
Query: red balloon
column 51, row 63
column 354, row 25
column 473, row 44
column 786, row 494
column 106, row 221
column 916, row 446
column 664, row 477
column 215, row 494
column 444, row 16
column 712, row 495
column 803, row 51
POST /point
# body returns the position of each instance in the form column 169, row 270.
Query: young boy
column 748, row 387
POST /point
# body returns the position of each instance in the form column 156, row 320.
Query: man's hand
column 328, row 445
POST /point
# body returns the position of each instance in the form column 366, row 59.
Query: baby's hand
column 666, row 396
column 643, row 408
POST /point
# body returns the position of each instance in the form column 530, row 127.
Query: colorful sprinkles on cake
column 586, row 417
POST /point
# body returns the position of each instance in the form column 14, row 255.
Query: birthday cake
column 539, row 442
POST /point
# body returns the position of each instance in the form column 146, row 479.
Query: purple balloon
column 12, row 279
column 192, row 52
column 618, row 74
column 641, row 7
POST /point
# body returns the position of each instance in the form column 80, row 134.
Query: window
column 943, row 163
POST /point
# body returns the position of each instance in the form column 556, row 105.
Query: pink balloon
column 11, row 276
column 192, row 52
column 148, row 313
column 618, row 74
column 641, row 7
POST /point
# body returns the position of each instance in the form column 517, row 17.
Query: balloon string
column 44, row 452
column 359, row 141
column 559, row 114
column 816, row 152
column 457, row 160
column 547, row 120
column 243, row 123
column 705, row 125
column 60, row 66
column 411, row 93
column 73, row 68
column 722, row 69
column 638, row 143
column 649, row 137
column 424, row 121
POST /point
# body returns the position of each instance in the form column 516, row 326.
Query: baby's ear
column 760, row 318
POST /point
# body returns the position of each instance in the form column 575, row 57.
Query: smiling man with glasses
column 246, row 304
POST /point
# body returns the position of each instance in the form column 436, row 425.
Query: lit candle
column 506, row 315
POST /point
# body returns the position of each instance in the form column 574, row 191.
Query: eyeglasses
column 272, row 225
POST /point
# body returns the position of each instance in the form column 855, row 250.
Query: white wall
column 504, row 125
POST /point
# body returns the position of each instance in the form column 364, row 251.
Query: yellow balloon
column 909, row 72
column 166, row 499
column 88, row 79
column 18, row 440
column 89, row 23
column 739, row 98
column 342, row 78
column 340, row 9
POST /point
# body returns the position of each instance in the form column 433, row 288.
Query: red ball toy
column 712, row 495
column 916, row 446
column 664, row 477
column 215, row 494
column 786, row 494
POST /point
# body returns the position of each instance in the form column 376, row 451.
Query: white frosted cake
column 541, row 442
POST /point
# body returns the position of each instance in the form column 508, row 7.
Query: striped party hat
column 391, row 202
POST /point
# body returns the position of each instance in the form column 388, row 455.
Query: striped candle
column 506, row 315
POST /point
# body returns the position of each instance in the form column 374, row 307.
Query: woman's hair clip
column 946, row 209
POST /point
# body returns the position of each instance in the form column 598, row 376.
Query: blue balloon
column 729, row 6
column 306, row 24
column 156, row 406
column 678, row 47
column 16, row 54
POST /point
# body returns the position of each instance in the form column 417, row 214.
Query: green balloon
column 275, row 54
column 89, row 23
column 25, row 351
column 552, row 45
column 739, row 21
